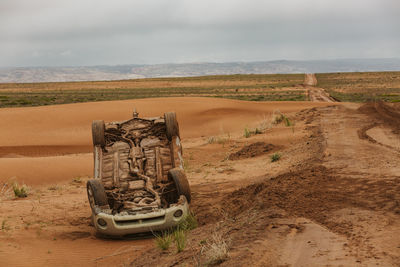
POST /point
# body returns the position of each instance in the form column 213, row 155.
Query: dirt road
column 332, row 199
column 337, row 206
column 310, row 79
column 315, row 94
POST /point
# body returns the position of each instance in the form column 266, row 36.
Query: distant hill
column 122, row 72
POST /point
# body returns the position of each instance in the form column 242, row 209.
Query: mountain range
column 134, row 71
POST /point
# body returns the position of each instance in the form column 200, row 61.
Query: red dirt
column 252, row 150
column 383, row 113
column 275, row 221
column 332, row 199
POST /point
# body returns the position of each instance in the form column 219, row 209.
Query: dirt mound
column 42, row 151
column 252, row 150
column 315, row 193
column 384, row 114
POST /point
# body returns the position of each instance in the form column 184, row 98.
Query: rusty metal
column 134, row 163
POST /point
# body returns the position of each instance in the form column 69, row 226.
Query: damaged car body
column 139, row 183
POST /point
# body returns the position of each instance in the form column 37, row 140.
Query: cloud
column 155, row 31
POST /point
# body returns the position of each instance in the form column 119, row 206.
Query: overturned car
column 139, row 184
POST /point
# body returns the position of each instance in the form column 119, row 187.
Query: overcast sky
column 110, row 32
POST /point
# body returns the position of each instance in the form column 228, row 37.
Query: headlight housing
column 178, row 213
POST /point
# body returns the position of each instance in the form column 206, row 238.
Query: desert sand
column 332, row 199
column 53, row 143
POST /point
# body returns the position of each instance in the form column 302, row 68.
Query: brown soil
column 384, row 126
column 252, row 150
column 383, row 113
column 331, row 200
column 320, row 213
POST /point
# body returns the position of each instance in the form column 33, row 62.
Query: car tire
column 181, row 182
column 96, row 194
column 171, row 124
column 98, row 133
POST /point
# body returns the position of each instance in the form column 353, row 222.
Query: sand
column 332, row 199
column 50, row 144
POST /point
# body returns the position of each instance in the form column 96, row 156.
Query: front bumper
column 120, row 225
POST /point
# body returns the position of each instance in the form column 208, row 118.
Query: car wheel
column 96, row 194
column 181, row 183
column 98, row 133
column 172, row 125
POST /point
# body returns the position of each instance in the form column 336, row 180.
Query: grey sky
column 109, row 32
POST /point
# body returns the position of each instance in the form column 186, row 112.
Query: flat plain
column 362, row 86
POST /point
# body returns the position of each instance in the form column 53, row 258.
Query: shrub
column 164, row 240
column 216, row 250
column 275, row 157
column 247, row 132
column 282, row 118
column 180, row 239
column 20, row 191
column 188, row 223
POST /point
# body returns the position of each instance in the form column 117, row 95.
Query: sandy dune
column 51, row 143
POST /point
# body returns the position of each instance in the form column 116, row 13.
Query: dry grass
column 216, row 250
column 218, row 140
column 279, row 117
column 5, row 191
column 164, row 240
column 180, row 239
column 5, row 226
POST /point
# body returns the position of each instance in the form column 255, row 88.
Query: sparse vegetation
column 248, row 133
column 282, row 118
column 77, row 180
column 275, row 157
column 216, row 250
column 260, row 87
column 361, row 86
column 164, row 240
column 4, row 226
column 180, row 239
column 20, row 191
column 54, row 187
column 5, row 191
column 217, row 140
column 188, row 223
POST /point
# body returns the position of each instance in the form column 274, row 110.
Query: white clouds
column 155, row 31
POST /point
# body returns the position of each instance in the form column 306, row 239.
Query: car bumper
column 120, row 225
